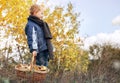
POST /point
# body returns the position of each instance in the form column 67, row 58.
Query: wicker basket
column 31, row 75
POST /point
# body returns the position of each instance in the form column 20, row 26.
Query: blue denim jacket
column 35, row 37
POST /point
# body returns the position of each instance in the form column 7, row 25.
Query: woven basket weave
column 31, row 75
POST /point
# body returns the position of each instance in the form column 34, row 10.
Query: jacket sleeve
column 31, row 38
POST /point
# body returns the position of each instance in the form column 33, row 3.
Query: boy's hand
column 34, row 53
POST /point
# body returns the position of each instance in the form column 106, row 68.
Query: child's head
column 36, row 10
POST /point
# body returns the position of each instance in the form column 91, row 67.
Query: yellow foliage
column 13, row 17
column 64, row 27
column 63, row 24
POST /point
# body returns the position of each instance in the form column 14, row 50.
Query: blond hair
column 34, row 8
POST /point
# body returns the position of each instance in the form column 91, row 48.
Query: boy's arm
column 32, row 39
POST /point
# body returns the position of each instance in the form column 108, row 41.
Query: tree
column 13, row 17
column 64, row 27
column 107, row 65
column 68, row 54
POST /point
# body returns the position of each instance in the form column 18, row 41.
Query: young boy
column 38, row 36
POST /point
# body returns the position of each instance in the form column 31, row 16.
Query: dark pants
column 42, row 58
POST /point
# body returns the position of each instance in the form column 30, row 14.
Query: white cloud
column 112, row 38
column 116, row 20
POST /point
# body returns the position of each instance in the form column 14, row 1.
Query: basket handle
column 33, row 61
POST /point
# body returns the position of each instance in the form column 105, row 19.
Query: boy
column 38, row 36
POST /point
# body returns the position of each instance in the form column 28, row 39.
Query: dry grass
column 103, row 70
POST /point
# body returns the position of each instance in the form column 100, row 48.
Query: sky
column 96, row 16
column 100, row 19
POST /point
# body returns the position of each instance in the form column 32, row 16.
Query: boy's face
column 39, row 14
